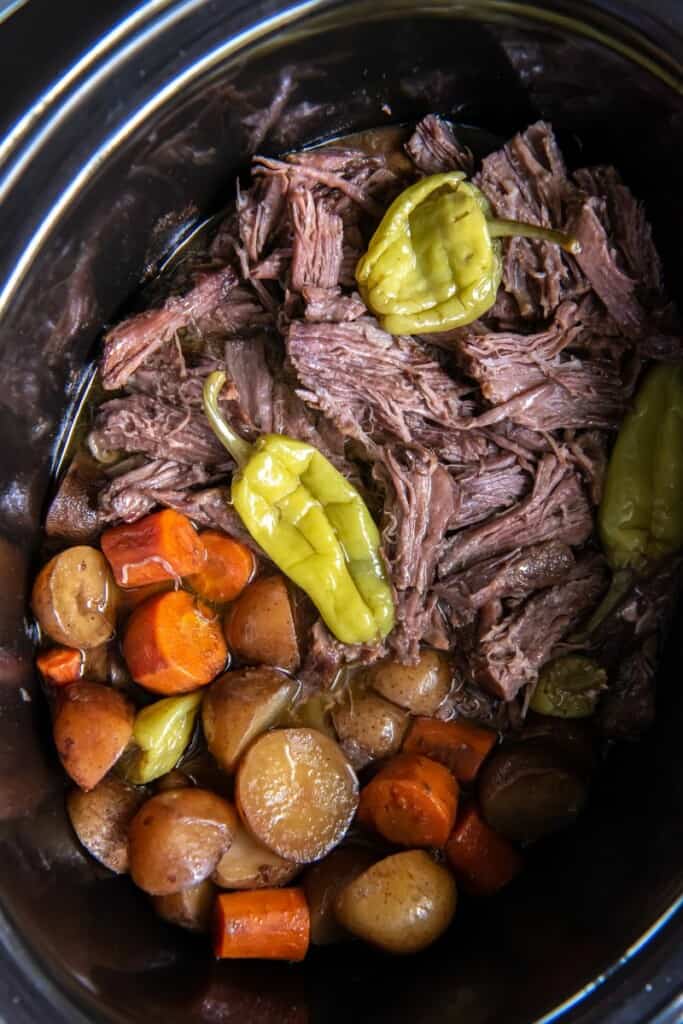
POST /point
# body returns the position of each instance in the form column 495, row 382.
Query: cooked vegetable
column 412, row 801
column 175, row 779
column 190, row 908
column 419, row 688
column 177, row 838
column 241, row 705
column 369, row 727
column 461, row 746
column 249, row 865
column 530, row 789
column 161, row 546
column 434, row 262
column 228, row 568
column 323, row 882
column 401, row 904
column 101, row 818
column 313, row 713
column 641, row 513
column 267, row 924
column 312, row 523
column 61, row 665
column 569, row 687
column 161, row 733
column 132, row 597
column 172, row 644
column 92, row 726
column 260, row 626
column 297, row 793
column 74, row 598
column 483, row 860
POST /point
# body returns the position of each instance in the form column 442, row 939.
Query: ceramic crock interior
column 587, row 895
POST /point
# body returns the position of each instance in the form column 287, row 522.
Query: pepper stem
column 517, row 228
column 236, row 445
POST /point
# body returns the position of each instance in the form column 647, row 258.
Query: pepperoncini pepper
column 641, row 514
column 569, row 687
column 161, row 732
column 312, row 523
column 434, row 262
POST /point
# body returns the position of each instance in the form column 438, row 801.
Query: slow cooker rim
column 23, row 143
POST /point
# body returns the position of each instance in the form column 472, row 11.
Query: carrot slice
column 130, row 598
column 262, row 924
column 61, row 665
column 162, row 546
column 228, row 568
column 173, row 644
column 483, row 860
column 460, row 746
column 412, row 801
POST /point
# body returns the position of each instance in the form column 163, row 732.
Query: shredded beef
column 133, row 494
column 329, row 305
column 434, row 148
column 260, row 212
column 588, row 449
column 485, row 489
column 130, row 343
column 511, row 652
column 515, row 575
column 317, row 245
column 556, row 509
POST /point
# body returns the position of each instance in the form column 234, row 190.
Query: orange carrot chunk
column 162, row 546
column 483, row 860
column 131, row 597
column 173, row 644
column 262, row 924
column 61, row 665
column 412, row 802
column 228, row 568
column 460, row 746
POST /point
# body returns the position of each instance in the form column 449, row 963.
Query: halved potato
column 369, row 727
column 249, row 865
column 74, row 598
column 420, row 688
column 92, row 727
column 401, row 904
column 324, row 881
column 177, row 838
column 239, row 706
column 297, row 793
column 101, row 818
column 191, row 908
column 260, row 627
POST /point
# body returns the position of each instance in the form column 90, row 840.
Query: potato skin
column 260, row 627
column 369, row 727
column 420, row 689
column 101, row 818
column 297, row 793
column 177, row 838
column 74, row 598
column 92, row 726
column 191, row 908
column 323, row 882
column 248, row 864
column 239, row 706
column 401, row 904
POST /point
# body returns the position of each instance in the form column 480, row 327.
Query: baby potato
column 91, row 728
column 401, row 904
column 74, row 598
column 420, row 689
column 323, row 882
column 177, row 838
column 190, row 908
column 239, row 706
column 260, row 627
column 297, row 793
column 101, row 817
column 249, row 865
column 369, row 727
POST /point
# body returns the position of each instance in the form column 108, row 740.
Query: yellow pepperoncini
column 161, row 734
column 312, row 523
column 434, row 262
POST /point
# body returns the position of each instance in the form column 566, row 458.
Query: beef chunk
column 130, row 343
column 261, row 212
column 511, row 651
column 73, row 515
column 317, row 245
column 588, row 449
column 134, row 493
column 348, row 173
column 627, row 709
column 556, row 509
column 515, row 575
column 434, row 148
column 328, row 305
column 485, row 489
